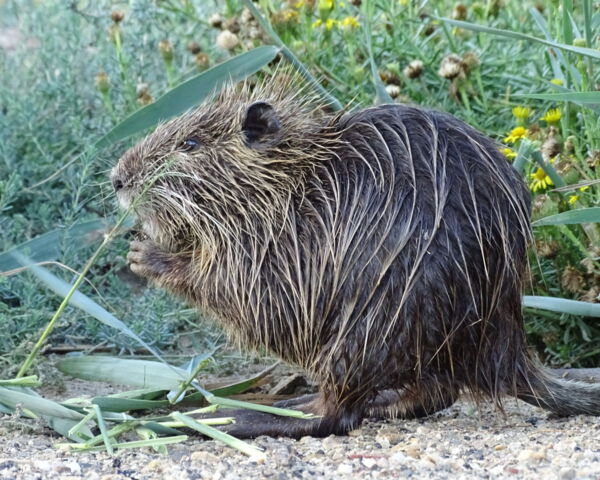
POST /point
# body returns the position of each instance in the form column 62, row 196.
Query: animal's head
column 233, row 161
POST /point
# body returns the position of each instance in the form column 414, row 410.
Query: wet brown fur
column 383, row 251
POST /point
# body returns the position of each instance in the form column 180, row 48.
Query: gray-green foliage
column 50, row 115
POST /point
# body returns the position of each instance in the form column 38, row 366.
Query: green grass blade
column 137, row 373
column 190, row 93
column 382, row 96
column 561, row 305
column 211, row 432
column 521, row 36
column 283, row 412
column 103, row 429
column 575, row 97
column 572, row 217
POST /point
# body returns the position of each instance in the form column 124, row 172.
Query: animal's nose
column 117, row 183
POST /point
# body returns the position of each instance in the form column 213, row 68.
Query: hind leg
column 413, row 403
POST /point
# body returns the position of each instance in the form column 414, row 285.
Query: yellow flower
column 516, row 134
column 584, row 188
column 317, row 23
column 330, row 23
column 540, row 180
column 573, row 199
column 508, row 153
column 350, row 23
column 552, row 116
column 557, row 81
column 521, row 113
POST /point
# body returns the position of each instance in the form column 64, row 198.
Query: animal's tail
column 548, row 389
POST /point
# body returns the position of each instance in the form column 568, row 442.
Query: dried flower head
column 592, row 295
column 215, row 20
column 227, row 40
column 143, row 94
column 550, row 148
column 231, row 24
column 117, row 16
column 102, row 82
column 193, row 47
column 166, row 50
column 393, row 90
column 470, row 61
column 459, row 12
column 571, row 280
column 451, row 67
column 389, row 77
column 202, row 60
column 246, row 16
column 413, row 69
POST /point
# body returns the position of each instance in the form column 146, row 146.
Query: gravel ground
column 462, row 442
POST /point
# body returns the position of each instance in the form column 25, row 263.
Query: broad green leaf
column 575, row 97
column 190, row 93
column 81, row 301
column 11, row 397
column 47, row 247
column 572, row 217
column 137, row 373
column 561, row 305
column 590, row 52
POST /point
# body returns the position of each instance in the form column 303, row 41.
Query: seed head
column 393, row 90
column 451, row 67
column 413, row 69
column 102, row 82
column 166, row 51
column 202, row 60
column 459, row 12
column 215, row 20
column 117, row 16
column 227, row 40
column 194, row 48
column 232, row 25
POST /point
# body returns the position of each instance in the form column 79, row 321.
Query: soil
column 465, row 441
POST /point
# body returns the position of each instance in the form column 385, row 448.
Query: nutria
column 383, row 251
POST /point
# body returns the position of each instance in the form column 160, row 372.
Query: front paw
column 147, row 260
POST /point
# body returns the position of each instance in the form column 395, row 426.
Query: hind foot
column 252, row 424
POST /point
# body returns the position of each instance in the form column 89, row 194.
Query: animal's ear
column 261, row 124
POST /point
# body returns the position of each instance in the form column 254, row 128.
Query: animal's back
column 427, row 228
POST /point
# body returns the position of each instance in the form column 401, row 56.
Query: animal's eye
column 190, row 144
